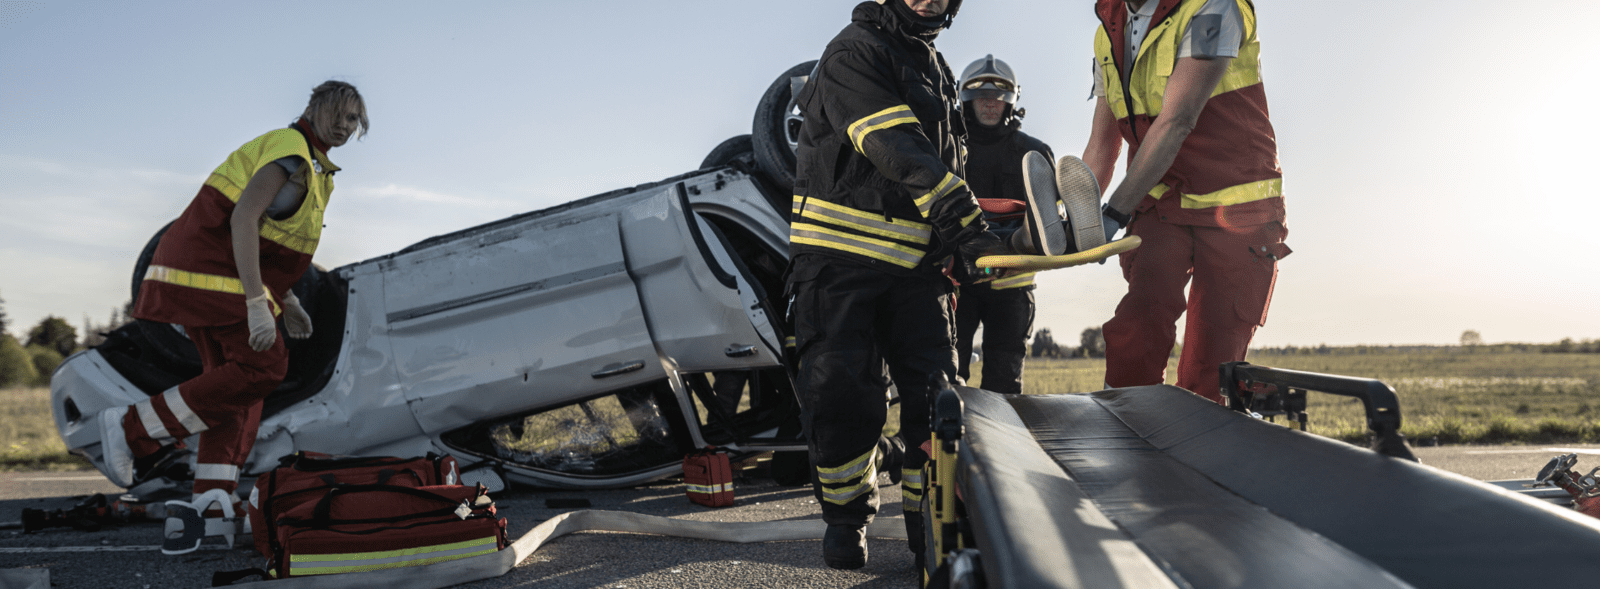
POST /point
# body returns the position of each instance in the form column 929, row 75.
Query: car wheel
column 775, row 133
column 733, row 149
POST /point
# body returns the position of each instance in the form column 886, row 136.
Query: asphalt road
column 126, row 555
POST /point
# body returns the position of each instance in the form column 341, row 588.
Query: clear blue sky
column 1437, row 155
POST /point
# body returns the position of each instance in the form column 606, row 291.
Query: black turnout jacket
column 878, row 174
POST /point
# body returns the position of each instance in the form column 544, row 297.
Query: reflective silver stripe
column 911, row 478
column 849, row 470
column 180, row 410
column 152, row 422
column 910, row 501
column 946, row 186
column 807, row 234
column 875, row 224
column 889, row 117
column 709, row 489
column 846, row 493
column 216, row 472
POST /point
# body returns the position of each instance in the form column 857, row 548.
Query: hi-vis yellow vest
column 1230, row 159
column 193, row 278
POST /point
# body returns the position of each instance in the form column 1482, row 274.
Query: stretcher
column 1157, row 487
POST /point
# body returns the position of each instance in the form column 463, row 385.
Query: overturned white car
column 591, row 344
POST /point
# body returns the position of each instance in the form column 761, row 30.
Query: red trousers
column 1233, row 270
column 222, row 405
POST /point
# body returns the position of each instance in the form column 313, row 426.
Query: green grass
column 28, row 438
column 1457, row 396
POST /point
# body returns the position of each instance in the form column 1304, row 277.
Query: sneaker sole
column 1080, row 193
column 1044, row 215
column 114, row 450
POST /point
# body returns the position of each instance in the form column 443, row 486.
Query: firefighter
column 995, row 146
column 880, row 205
column 1180, row 82
column 223, row 271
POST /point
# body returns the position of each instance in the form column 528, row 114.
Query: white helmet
column 991, row 78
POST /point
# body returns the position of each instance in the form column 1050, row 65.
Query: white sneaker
column 1042, row 233
column 1080, row 192
column 114, row 450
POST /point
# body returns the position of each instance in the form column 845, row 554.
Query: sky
column 1436, row 154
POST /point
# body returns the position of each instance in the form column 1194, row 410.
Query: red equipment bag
column 306, row 477
column 708, row 478
column 369, row 527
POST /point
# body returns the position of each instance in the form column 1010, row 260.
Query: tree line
column 29, row 358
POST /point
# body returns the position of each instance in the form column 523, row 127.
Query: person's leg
column 917, row 339
column 1235, row 269
column 969, row 313
column 1008, row 317
column 841, row 391
column 1140, row 335
column 229, row 401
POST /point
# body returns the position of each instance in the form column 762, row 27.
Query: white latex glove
column 263, row 330
column 296, row 322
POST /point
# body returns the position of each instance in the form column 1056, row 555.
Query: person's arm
column 246, row 228
column 1187, row 91
column 246, row 224
column 1105, row 144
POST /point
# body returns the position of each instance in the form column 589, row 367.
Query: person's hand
column 263, row 330
column 296, row 322
column 1111, row 226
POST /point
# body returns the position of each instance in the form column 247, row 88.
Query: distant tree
column 1044, row 344
column 16, row 366
column 3, row 321
column 54, row 332
column 45, row 360
column 1092, row 343
column 94, row 334
column 1470, row 338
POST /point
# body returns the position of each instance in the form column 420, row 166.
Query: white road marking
column 1538, row 451
column 93, row 478
column 44, row 549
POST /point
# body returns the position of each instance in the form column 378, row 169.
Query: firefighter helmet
column 989, row 78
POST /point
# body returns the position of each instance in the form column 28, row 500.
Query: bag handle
column 322, row 514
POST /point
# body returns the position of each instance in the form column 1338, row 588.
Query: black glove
column 964, row 268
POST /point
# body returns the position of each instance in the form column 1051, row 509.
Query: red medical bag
column 708, row 478
column 369, row 527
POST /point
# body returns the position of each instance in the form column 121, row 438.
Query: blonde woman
column 223, row 271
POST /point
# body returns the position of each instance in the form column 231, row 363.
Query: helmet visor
column 995, row 88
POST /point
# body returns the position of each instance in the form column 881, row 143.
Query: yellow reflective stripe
column 210, row 282
column 946, row 186
column 911, row 477
column 1232, row 195
column 848, row 470
column 965, row 221
column 708, row 489
column 789, row 342
column 875, row 224
column 1017, row 281
column 899, row 255
column 322, row 564
column 216, row 472
column 304, row 245
column 889, row 117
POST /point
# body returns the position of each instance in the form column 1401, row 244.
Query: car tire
column 776, row 130
column 737, row 148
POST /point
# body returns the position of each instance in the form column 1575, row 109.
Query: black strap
column 225, row 578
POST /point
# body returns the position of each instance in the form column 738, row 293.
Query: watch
column 1116, row 215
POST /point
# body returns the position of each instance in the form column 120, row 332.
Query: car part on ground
column 775, row 132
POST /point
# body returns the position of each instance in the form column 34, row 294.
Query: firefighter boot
column 845, row 546
column 917, row 539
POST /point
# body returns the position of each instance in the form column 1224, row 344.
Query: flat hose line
column 488, row 566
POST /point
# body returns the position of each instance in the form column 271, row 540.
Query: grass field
column 1456, row 396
